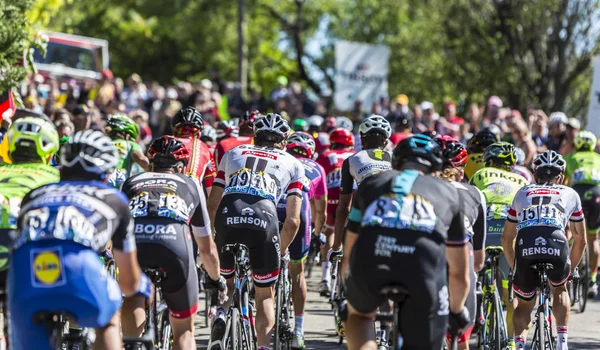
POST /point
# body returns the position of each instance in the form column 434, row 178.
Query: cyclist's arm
column 343, row 208
column 140, row 159
column 479, row 234
column 508, row 238
column 319, row 213
column 214, row 199
column 291, row 224
column 209, row 173
column 457, row 256
column 579, row 233
column 202, row 230
column 125, row 254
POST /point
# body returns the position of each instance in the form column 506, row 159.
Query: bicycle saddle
column 49, row 318
column 542, row 266
column 395, row 292
column 155, row 274
column 494, row 250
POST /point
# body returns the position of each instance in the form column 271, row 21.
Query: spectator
column 81, row 118
column 106, row 91
column 492, row 110
column 401, row 111
column 568, row 144
column 141, row 119
column 522, row 139
column 135, row 93
column 64, row 128
column 557, row 131
column 539, row 128
column 281, row 90
column 418, row 126
column 430, row 118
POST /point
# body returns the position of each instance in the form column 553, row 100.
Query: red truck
column 73, row 56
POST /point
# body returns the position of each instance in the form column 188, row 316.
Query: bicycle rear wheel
column 540, row 330
column 584, row 282
column 166, row 332
column 278, row 303
column 500, row 332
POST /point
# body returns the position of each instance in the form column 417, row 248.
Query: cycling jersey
column 499, row 188
column 404, row 219
column 164, row 206
column 228, row 144
column 55, row 265
column 321, row 142
column 126, row 166
column 360, row 165
column 542, row 212
column 254, row 180
column 314, row 187
column 474, row 163
column 201, row 166
column 583, row 167
column 523, row 171
column 332, row 162
column 16, row 180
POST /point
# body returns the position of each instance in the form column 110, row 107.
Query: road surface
column 584, row 329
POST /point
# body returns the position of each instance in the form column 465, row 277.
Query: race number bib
column 334, row 179
column 544, row 215
column 583, row 174
column 408, row 212
column 257, row 183
column 138, row 205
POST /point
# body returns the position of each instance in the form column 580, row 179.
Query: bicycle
column 314, row 253
column 336, row 297
column 492, row 333
column 283, row 335
column 543, row 337
column 578, row 289
column 157, row 331
column 239, row 327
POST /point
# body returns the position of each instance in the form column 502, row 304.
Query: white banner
column 360, row 74
column 593, row 117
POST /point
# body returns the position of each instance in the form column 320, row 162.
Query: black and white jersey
column 89, row 213
column 167, row 196
column 408, row 201
column 474, row 207
column 363, row 164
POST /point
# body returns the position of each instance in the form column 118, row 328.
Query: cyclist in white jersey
column 536, row 222
column 243, row 207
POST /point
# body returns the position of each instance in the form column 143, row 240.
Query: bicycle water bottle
column 511, row 293
column 576, row 285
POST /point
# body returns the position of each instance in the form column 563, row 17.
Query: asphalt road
column 584, row 329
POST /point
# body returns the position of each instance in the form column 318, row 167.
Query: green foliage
column 15, row 39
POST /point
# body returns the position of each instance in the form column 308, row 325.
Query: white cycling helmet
column 302, row 140
column 90, row 150
column 344, row 123
column 375, row 122
column 209, row 132
column 558, row 118
column 549, row 162
column 315, row 120
column 274, row 123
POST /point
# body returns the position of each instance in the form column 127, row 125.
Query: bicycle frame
column 544, row 334
column 491, row 299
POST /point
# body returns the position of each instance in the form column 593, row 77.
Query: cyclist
column 246, row 134
column 168, row 209
column 208, row 135
column 32, row 142
column 520, row 169
column 403, row 126
column 299, row 125
column 124, row 131
column 405, row 217
column 314, row 200
column 476, row 146
column 537, row 219
column 251, row 180
column 187, row 128
column 226, row 129
column 583, row 175
column 455, row 157
column 342, row 144
column 499, row 186
column 55, row 265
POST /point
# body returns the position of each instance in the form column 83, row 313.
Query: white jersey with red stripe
column 261, row 171
column 545, row 205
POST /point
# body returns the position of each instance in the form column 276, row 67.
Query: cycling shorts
column 167, row 245
column 590, row 202
column 57, row 276
column 6, row 243
column 424, row 314
column 540, row 244
column 252, row 221
column 333, row 198
column 299, row 247
column 493, row 238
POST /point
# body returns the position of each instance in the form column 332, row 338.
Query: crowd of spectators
column 74, row 105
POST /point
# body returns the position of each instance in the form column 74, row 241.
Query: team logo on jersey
column 248, row 211
column 47, row 267
column 543, row 191
column 260, row 154
column 540, row 241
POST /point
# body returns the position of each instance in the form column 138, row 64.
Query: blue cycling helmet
column 421, row 150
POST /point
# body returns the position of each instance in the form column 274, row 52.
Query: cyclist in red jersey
column 342, row 147
column 209, row 137
column 187, row 126
column 246, row 134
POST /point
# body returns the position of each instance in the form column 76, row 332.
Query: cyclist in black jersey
column 168, row 210
column 55, row 265
column 406, row 217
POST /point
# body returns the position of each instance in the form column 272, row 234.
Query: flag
column 7, row 105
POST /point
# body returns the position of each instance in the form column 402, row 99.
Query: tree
column 15, row 39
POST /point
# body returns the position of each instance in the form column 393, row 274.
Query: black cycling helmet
column 167, row 151
column 402, row 120
column 188, row 117
column 420, row 149
column 480, row 141
column 88, row 154
column 431, row 133
column 500, row 154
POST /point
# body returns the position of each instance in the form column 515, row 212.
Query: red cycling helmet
column 454, row 152
column 167, row 151
column 330, row 124
column 249, row 117
column 341, row 137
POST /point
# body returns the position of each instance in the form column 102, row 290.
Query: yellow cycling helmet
column 585, row 141
column 32, row 139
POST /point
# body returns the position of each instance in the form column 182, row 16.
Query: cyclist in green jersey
column 583, row 175
column 499, row 186
column 32, row 143
column 124, row 131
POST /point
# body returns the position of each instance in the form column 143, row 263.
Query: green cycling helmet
column 120, row 123
column 500, row 153
column 299, row 125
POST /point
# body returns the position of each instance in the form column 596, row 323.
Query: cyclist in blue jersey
column 55, row 266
